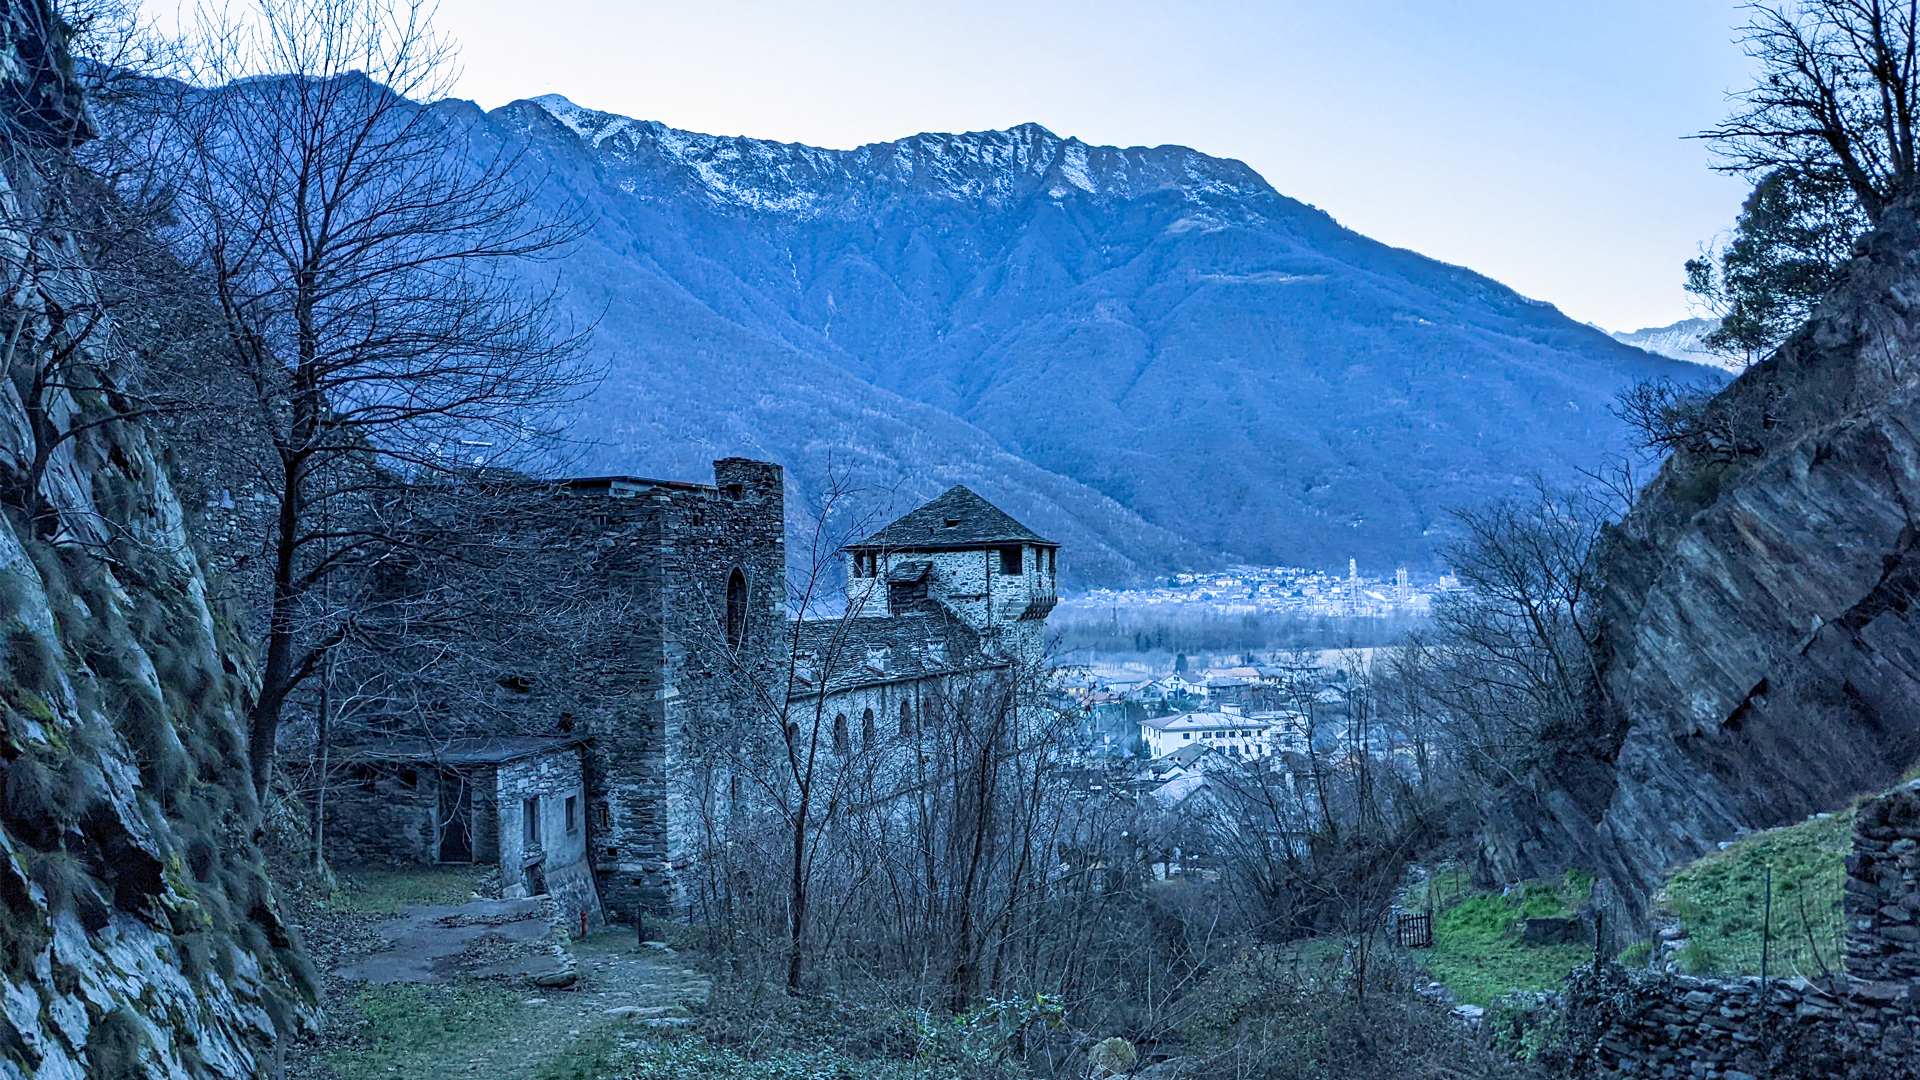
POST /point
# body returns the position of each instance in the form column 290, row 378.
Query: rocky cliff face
column 1762, row 653
column 139, row 935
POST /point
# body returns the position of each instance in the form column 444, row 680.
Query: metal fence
column 1413, row 931
column 1783, row 934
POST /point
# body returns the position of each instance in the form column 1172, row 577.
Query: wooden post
column 1766, row 934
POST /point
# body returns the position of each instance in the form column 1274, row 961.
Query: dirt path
column 447, row 991
column 620, row 993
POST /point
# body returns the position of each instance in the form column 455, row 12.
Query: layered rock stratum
column 1761, row 655
column 139, row 935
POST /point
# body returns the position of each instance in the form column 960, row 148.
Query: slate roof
column 910, row 573
column 957, row 519
column 912, row 650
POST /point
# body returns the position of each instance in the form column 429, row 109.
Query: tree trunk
column 277, row 677
column 323, row 737
column 797, row 902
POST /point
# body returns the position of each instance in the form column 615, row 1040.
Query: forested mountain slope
column 1146, row 352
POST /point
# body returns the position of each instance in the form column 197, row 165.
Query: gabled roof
column 957, row 519
column 1189, row 753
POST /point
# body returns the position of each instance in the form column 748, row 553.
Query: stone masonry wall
column 555, row 779
column 551, row 780
column 711, row 685
column 388, row 814
column 970, row 584
column 672, row 549
column 381, row 816
column 1863, row 1022
column 1883, row 897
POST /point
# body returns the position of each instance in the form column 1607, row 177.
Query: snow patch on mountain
column 594, row 127
column 1684, row 340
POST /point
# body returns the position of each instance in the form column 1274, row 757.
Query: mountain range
column 1147, row 354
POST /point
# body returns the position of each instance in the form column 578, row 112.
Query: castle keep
column 953, row 591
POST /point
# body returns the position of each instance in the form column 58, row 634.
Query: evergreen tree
column 1795, row 232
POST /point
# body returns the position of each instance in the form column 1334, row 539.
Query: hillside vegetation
column 1146, row 353
column 1722, row 900
column 1479, row 952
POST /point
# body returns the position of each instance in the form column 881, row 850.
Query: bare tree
column 1513, row 658
column 1837, row 98
column 785, row 760
column 365, row 251
column 917, row 843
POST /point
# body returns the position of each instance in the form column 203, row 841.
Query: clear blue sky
column 1537, row 141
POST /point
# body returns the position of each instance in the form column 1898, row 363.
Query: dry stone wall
column 1863, row 1021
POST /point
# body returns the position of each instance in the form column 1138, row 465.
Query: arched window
column 867, row 731
column 736, row 609
column 906, row 719
column 840, row 745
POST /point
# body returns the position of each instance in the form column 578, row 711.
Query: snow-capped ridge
column 992, row 167
column 1684, row 340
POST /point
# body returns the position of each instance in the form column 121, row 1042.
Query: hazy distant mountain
column 1681, row 341
column 1145, row 353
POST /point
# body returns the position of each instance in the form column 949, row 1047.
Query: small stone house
column 520, row 803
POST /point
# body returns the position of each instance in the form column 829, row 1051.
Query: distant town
column 1275, row 590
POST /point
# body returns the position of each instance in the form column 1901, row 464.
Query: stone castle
column 602, row 812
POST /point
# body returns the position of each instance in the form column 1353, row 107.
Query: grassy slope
column 1477, row 951
column 1722, row 897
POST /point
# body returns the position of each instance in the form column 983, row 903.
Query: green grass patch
column 1477, row 948
column 420, row 1031
column 1722, row 900
column 693, row 1058
column 588, row 1058
column 383, row 892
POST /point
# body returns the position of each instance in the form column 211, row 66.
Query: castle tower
column 964, row 554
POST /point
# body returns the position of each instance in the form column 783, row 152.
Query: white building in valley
column 1228, row 732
